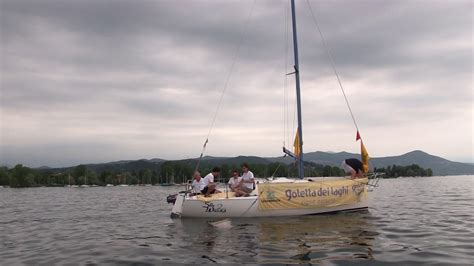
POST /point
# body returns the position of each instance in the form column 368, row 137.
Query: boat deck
column 221, row 195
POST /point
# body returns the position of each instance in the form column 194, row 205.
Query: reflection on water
column 410, row 221
column 281, row 240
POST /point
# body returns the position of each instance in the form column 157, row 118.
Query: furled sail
column 363, row 154
column 296, row 144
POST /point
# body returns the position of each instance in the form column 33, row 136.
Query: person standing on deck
column 353, row 167
column 234, row 184
column 248, row 181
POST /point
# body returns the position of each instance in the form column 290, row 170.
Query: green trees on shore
column 410, row 170
column 21, row 176
column 171, row 172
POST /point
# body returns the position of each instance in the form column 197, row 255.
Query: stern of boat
column 178, row 205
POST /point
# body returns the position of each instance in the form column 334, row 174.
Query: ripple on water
column 411, row 221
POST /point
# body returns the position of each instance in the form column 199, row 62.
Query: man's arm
column 251, row 178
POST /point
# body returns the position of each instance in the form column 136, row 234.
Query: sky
column 94, row 81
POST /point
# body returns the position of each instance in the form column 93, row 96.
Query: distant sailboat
column 69, row 185
column 125, row 179
column 168, row 182
column 85, row 181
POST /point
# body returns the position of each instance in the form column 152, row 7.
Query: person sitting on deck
column 209, row 185
column 353, row 167
column 248, row 181
column 234, row 184
column 198, row 182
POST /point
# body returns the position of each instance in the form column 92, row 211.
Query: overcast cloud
column 96, row 81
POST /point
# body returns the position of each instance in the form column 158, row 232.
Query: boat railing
column 374, row 179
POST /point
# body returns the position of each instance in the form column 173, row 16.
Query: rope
column 278, row 167
column 286, row 129
column 234, row 60
column 333, row 64
column 256, row 199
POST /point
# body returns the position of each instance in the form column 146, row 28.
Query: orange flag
column 365, row 157
column 296, row 144
column 363, row 154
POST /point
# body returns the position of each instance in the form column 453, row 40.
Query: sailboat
column 85, row 181
column 125, row 181
column 168, row 183
column 282, row 196
column 69, row 185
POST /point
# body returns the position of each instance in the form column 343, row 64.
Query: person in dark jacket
column 353, row 167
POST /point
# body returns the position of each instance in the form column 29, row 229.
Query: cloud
column 88, row 81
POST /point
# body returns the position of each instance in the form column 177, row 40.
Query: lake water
column 410, row 221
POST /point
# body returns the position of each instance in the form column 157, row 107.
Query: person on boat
column 248, row 181
column 234, row 184
column 198, row 182
column 353, row 167
column 208, row 180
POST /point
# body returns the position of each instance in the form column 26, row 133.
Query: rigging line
column 278, row 167
column 256, row 199
column 294, row 118
column 285, row 84
column 333, row 64
column 234, row 60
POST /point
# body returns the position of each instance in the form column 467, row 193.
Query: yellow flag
column 296, row 144
column 365, row 157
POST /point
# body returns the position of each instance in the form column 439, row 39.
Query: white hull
column 247, row 207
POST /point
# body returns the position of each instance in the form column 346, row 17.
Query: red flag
column 357, row 136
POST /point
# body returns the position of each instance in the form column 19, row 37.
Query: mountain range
column 438, row 165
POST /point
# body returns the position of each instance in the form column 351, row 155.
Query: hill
column 440, row 166
column 120, row 166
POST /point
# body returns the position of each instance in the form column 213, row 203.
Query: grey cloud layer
column 127, row 64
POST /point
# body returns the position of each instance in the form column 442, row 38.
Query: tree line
column 395, row 171
column 173, row 172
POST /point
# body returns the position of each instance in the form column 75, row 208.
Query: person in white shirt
column 248, row 181
column 208, row 180
column 234, row 184
column 198, row 182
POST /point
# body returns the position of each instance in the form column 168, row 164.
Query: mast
column 298, row 96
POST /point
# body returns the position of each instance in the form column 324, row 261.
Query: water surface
column 410, row 221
